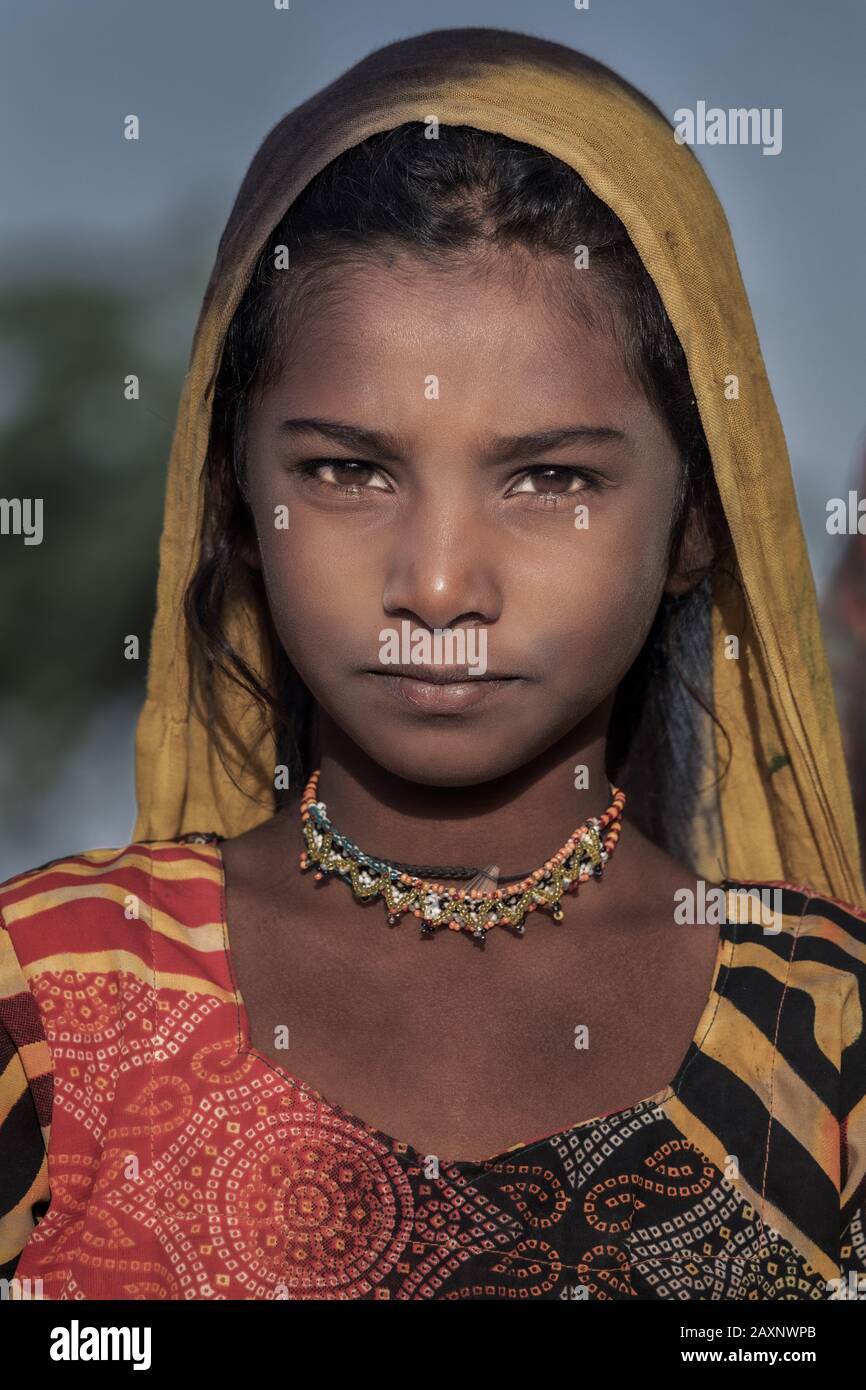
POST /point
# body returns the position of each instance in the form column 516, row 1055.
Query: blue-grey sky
column 209, row 78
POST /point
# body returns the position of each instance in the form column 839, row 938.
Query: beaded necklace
column 472, row 910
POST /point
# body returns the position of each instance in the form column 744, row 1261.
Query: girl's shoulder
column 792, row 941
column 102, row 874
column 796, row 909
column 801, row 938
column 151, row 909
column 106, row 900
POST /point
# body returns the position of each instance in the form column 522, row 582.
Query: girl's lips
column 452, row 698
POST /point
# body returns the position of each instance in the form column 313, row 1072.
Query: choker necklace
column 583, row 856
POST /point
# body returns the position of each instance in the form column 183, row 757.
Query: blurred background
column 107, row 245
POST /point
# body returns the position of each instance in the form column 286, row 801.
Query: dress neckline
column 724, row 947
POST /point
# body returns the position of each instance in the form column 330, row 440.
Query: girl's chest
column 452, row 1050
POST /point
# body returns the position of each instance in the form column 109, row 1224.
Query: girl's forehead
column 369, row 319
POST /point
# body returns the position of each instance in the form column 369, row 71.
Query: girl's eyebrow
column 502, row 448
column 506, row 447
column 379, row 442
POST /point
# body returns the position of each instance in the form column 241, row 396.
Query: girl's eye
column 544, row 483
column 555, row 480
column 348, row 476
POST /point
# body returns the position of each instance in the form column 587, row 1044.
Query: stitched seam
column 220, row 862
column 806, row 901
column 721, row 994
column 736, row 942
column 807, row 892
column 853, row 1205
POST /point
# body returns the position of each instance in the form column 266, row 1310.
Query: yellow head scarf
column 785, row 805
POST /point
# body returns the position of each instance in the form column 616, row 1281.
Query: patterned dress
column 161, row 1156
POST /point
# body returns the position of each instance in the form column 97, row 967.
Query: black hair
column 460, row 200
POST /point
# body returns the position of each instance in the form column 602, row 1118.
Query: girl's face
column 445, row 428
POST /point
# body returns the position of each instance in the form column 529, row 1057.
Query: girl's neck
column 514, row 823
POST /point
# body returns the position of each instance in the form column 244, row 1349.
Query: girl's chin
column 445, row 759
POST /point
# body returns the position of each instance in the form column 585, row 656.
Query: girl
column 484, row 610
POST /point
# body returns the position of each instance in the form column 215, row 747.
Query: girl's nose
column 442, row 570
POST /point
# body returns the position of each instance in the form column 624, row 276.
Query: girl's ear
column 694, row 558
column 248, row 549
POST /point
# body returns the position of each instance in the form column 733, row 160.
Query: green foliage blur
column 98, row 461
